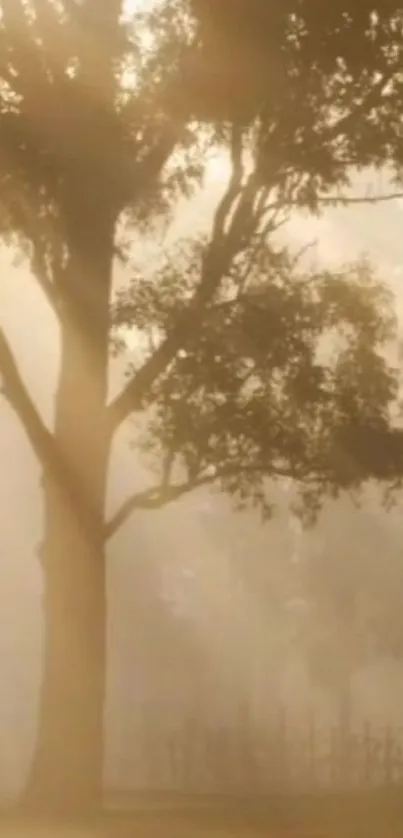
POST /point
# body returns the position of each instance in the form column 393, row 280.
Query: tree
column 104, row 120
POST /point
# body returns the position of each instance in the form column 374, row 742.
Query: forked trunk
column 67, row 767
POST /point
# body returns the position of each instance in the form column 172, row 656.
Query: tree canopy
column 285, row 377
column 299, row 96
column 321, row 87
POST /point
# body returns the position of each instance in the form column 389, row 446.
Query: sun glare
column 131, row 6
column 218, row 169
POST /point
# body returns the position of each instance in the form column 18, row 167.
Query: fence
column 243, row 758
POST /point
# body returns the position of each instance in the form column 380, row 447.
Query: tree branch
column 18, row 397
column 42, row 440
column 149, row 499
column 214, row 264
column 234, row 187
column 335, row 201
column 155, row 498
column 346, row 200
column 390, row 456
column 160, row 496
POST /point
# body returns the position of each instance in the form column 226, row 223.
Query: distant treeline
column 285, row 756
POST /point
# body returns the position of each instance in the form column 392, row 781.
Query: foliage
column 284, row 376
column 315, row 93
column 319, row 89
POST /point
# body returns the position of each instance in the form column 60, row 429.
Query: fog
column 206, row 605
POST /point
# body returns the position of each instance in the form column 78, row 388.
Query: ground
column 375, row 816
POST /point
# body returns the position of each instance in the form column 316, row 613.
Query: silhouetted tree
column 94, row 106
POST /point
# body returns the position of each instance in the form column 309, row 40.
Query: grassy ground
column 379, row 816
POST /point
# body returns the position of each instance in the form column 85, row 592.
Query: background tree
column 94, row 108
column 352, row 578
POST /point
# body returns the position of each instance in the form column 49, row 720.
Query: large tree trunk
column 67, row 767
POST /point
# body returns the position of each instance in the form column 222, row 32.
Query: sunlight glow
column 218, row 169
column 131, row 6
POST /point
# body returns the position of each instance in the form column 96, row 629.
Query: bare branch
column 18, row 397
column 336, row 201
column 299, row 255
column 346, row 200
column 154, row 498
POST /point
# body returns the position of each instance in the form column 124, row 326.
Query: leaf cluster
column 320, row 88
